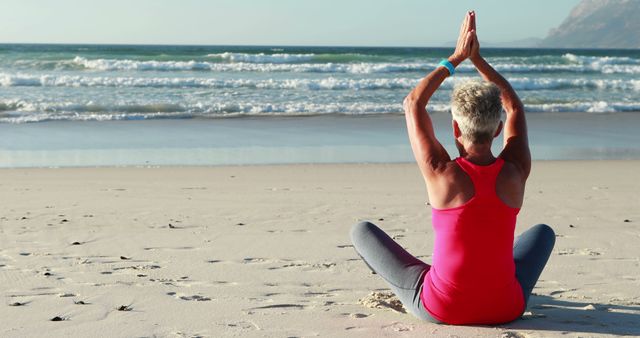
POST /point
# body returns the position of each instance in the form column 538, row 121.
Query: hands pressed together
column 468, row 46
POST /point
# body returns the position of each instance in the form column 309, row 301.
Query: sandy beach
column 257, row 251
column 196, row 169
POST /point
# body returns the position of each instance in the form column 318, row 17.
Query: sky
column 274, row 22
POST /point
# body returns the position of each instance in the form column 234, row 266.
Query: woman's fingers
column 467, row 22
column 467, row 33
column 475, row 46
column 468, row 42
column 465, row 25
column 472, row 20
column 464, row 20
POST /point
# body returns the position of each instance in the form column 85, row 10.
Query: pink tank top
column 472, row 279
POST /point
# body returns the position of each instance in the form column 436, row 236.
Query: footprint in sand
column 317, row 294
column 559, row 292
column 359, row 315
column 250, row 260
column 399, row 327
column 139, row 267
column 18, row 303
column 532, row 315
column 171, row 281
column 301, row 264
column 196, row 298
column 279, row 306
column 124, row 308
column 243, row 325
column 223, row 282
column 579, row 252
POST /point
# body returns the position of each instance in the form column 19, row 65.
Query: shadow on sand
column 551, row 314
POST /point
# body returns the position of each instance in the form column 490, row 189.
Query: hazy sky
column 274, row 22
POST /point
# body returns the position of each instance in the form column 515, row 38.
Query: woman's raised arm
column 428, row 151
column 516, row 142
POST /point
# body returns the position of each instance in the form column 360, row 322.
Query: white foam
column 605, row 64
column 24, row 112
column 356, row 68
column 582, row 83
column 600, row 60
column 21, row 111
column 589, row 107
column 329, row 67
column 125, row 64
column 330, row 83
column 263, row 58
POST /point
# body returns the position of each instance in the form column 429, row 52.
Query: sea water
column 82, row 87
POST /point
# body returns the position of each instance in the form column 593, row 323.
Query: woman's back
column 453, row 187
column 473, row 263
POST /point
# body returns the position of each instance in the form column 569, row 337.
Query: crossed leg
column 403, row 272
column 531, row 250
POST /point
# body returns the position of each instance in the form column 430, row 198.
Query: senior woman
column 478, row 274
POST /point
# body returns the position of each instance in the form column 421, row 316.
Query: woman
column 478, row 275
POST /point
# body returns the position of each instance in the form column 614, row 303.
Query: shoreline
column 282, row 165
column 287, row 140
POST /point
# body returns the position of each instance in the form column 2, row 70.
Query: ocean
column 84, row 105
column 105, row 82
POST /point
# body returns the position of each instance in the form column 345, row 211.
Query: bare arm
column 428, row 151
column 516, row 143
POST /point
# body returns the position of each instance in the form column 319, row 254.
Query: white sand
column 265, row 251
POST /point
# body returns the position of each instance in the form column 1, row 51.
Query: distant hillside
column 599, row 24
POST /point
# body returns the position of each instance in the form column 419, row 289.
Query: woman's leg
column 403, row 272
column 531, row 251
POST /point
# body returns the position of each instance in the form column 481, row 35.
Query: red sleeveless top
column 472, row 279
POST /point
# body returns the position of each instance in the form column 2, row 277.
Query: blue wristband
column 445, row 63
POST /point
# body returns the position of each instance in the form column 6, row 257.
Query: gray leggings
column 405, row 273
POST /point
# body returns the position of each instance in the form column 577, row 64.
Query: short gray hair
column 477, row 108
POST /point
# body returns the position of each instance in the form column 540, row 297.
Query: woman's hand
column 474, row 56
column 466, row 38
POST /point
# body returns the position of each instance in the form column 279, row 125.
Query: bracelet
column 445, row 63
